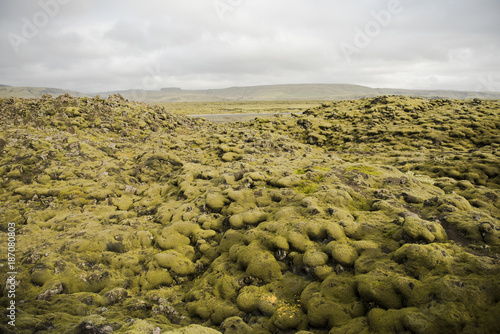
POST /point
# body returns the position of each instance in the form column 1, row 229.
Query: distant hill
column 33, row 92
column 256, row 93
column 290, row 92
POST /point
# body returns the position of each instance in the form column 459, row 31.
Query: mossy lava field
column 377, row 215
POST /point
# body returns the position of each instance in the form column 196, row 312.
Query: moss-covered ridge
column 459, row 138
column 248, row 228
column 114, row 114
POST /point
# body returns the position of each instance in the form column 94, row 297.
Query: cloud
column 95, row 46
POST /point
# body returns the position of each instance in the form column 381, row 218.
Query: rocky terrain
column 377, row 215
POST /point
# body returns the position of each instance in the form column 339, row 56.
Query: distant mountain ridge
column 35, row 92
column 288, row 92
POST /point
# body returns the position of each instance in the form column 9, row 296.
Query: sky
column 94, row 46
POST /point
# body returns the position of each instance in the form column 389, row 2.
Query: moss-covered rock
column 322, row 312
column 342, row 253
column 95, row 324
column 41, row 274
column 193, row 329
column 216, row 201
column 287, row 317
column 378, row 289
column 357, row 325
column 314, row 258
column 175, row 262
column 157, row 278
column 420, row 259
column 172, row 240
column 259, row 263
column 248, row 298
column 235, row 325
column 419, row 230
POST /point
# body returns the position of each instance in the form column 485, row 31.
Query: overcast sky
column 104, row 45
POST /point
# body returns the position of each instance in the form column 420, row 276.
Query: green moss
column 322, row 313
column 299, row 171
column 114, row 296
column 420, row 259
column 342, row 253
column 128, row 207
column 145, row 238
column 216, row 201
column 235, row 325
column 173, row 240
column 364, row 169
column 223, row 311
column 91, row 281
column 281, row 243
column 359, row 204
column 352, row 229
column 193, row 329
column 378, row 289
column 175, row 262
column 288, row 317
column 40, row 274
column 123, row 203
column 259, row 263
column 356, row 326
column 157, row 278
column 254, row 217
column 382, row 321
column 230, row 157
column 306, row 187
column 418, row 230
column 322, row 169
column 314, row 258
column 299, row 241
column 248, row 298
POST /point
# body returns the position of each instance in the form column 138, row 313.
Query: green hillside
column 289, row 93
column 34, row 92
column 296, row 92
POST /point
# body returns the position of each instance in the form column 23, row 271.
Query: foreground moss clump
column 368, row 216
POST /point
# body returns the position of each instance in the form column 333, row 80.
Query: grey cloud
column 106, row 45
